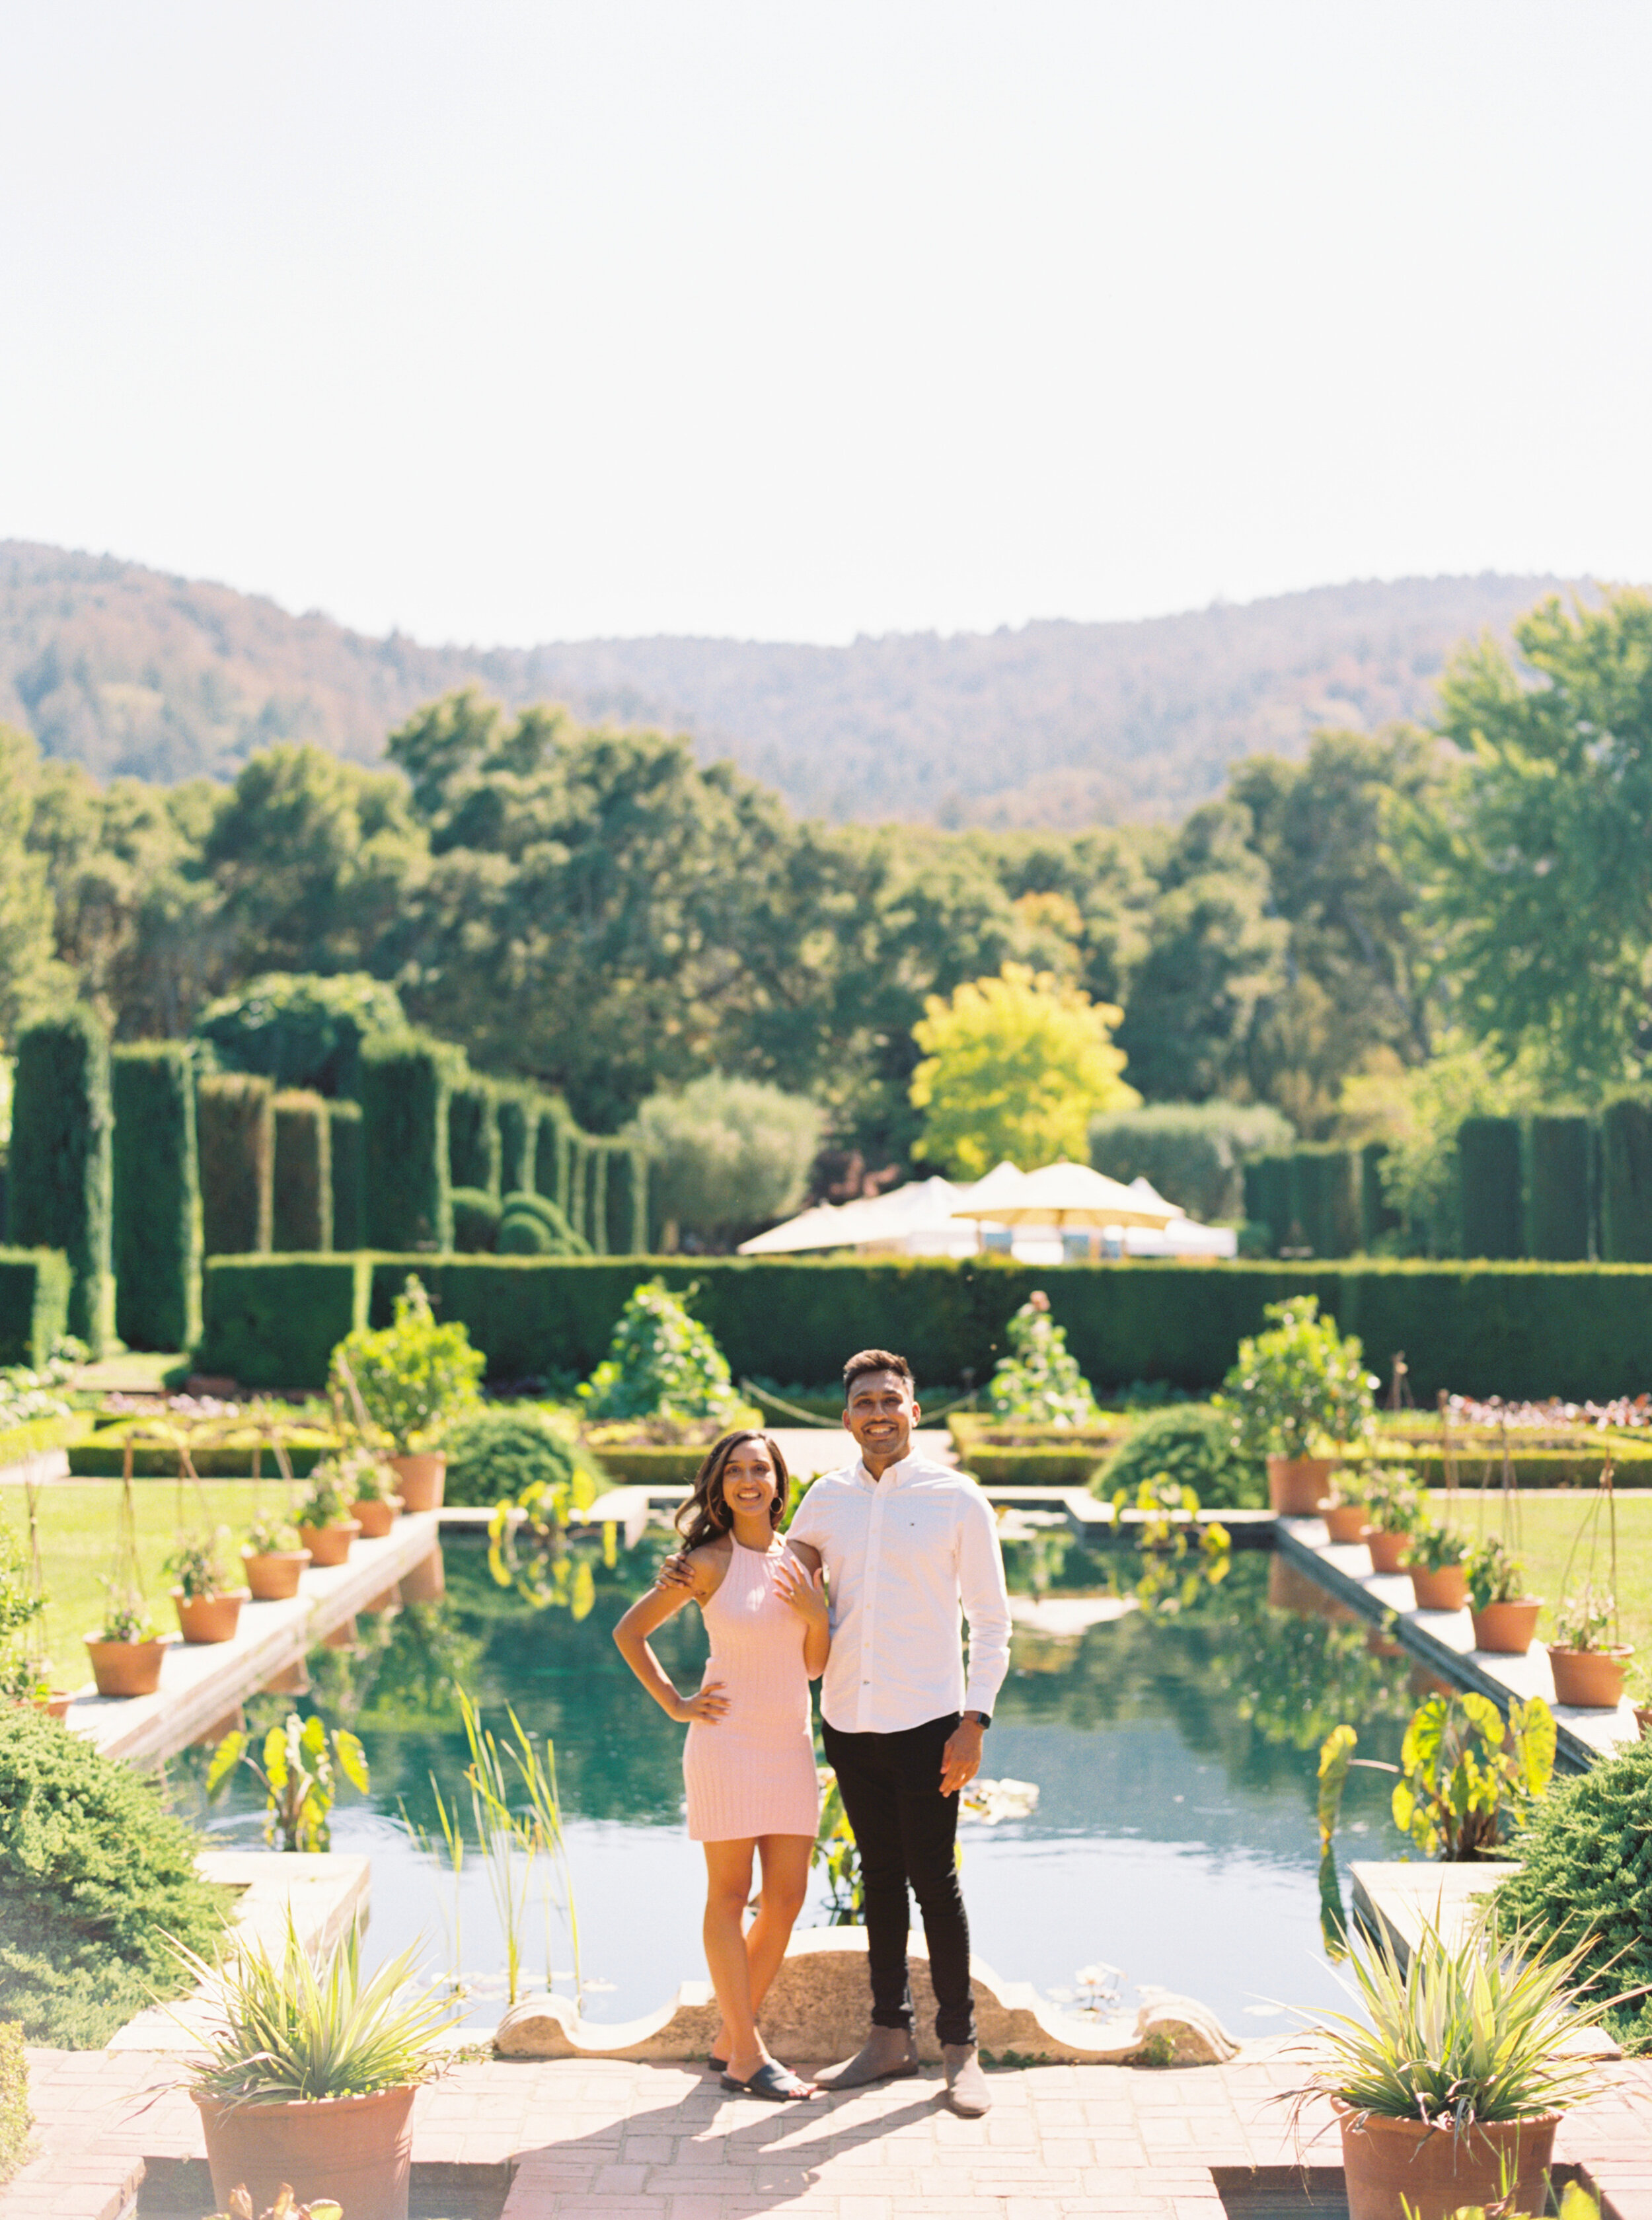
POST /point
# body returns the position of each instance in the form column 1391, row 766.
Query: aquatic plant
column 296, row 1768
column 1464, row 1775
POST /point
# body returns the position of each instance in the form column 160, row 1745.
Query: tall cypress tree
column 59, row 1191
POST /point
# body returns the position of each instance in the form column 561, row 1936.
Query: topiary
column 1193, row 1444
column 1585, row 1879
column 476, row 1220
column 94, row 1877
column 501, row 1450
column 530, row 1225
column 661, row 1363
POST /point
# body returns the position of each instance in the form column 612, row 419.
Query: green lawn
column 1548, row 1524
column 77, row 1539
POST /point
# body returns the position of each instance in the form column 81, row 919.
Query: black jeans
column 906, row 1831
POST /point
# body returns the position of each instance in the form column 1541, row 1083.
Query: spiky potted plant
column 1448, row 2090
column 208, row 1609
column 1299, row 1394
column 1435, row 1557
column 311, row 2075
column 325, row 1526
column 412, row 1379
column 1504, row 1615
column 275, row 1558
column 1395, row 1505
column 1588, row 1669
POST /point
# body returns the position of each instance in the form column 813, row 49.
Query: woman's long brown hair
column 705, row 1515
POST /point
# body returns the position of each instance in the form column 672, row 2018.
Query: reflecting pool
column 1173, row 1738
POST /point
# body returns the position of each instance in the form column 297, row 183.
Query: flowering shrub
column 1039, row 1382
column 661, row 1363
column 1300, row 1388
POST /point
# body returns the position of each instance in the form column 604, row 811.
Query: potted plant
column 411, row 1378
column 325, row 1526
column 1449, row 2089
column 1346, row 1515
column 311, row 2075
column 208, row 1609
column 286, row 2207
column 1435, row 1559
column 1505, row 1616
column 126, row 1651
column 1395, row 1503
column 1299, row 1392
column 363, row 1483
column 275, row 1557
column 1588, row 1669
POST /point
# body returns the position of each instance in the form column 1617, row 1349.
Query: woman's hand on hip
column 704, row 1708
column 803, row 1590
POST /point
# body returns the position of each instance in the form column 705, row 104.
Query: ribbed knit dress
column 752, row 1772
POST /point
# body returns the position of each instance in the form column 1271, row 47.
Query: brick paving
column 576, row 2140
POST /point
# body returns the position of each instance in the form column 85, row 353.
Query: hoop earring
column 776, row 1510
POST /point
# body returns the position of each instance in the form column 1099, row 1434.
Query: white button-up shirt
column 901, row 1554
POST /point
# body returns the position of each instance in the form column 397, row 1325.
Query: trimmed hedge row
column 34, row 1304
column 234, row 1117
column 1488, row 1169
column 1515, row 1330
column 473, row 1142
column 345, row 1153
column 303, row 1216
column 407, row 1083
column 1626, row 1180
column 157, row 1245
column 1559, row 1150
column 59, row 1184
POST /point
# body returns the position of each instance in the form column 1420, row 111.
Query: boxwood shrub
column 407, row 1081
column 502, row 1449
column 157, row 1236
column 234, row 1117
column 1626, row 1180
column 93, row 1875
column 345, row 1155
column 1194, row 1444
column 60, row 1173
column 303, row 1216
column 34, row 1304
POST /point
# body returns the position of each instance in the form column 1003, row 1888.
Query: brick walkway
column 574, row 2141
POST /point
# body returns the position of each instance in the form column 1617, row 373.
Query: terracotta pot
column 1345, row 1522
column 330, row 1545
column 124, row 1669
column 1395, row 2167
column 421, row 1478
column 1506, row 1629
column 357, row 2150
column 1387, row 1550
column 1298, row 1485
column 1444, row 1589
column 1643, row 1719
column 376, row 1518
column 56, row 1705
column 209, row 1619
column 1591, row 1678
column 273, row 1578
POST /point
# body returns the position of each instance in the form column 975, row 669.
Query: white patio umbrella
column 1069, row 1196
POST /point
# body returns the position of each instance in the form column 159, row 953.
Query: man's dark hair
column 874, row 1360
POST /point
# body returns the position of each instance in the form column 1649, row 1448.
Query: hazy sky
column 518, row 322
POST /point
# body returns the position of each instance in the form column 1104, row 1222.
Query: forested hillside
column 126, row 670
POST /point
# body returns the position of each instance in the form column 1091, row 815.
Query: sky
column 509, row 322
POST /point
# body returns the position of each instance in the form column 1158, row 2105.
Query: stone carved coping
column 818, row 2010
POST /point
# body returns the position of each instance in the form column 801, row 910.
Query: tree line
column 595, row 909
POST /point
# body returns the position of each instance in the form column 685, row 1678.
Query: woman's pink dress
column 752, row 1772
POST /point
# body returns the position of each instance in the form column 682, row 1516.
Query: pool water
column 1174, row 1743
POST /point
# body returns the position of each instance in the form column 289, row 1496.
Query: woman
column 748, row 1760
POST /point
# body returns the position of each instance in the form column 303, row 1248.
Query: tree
column 1540, row 865
column 727, row 1155
column 29, row 979
column 1216, row 953
column 302, row 1031
column 1014, row 1066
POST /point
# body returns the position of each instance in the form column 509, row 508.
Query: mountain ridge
column 1056, row 722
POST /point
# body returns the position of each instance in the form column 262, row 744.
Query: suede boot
column 966, row 2083
column 887, row 2054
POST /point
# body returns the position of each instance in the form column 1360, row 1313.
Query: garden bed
column 227, row 1456
column 1020, row 1455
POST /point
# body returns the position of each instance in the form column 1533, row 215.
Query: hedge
column 1194, row 1152
column 1513, row 1330
column 1480, row 1465
column 1626, row 1180
column 302, row 1211
column 345, row 1152
column 518, row 1132
column 34, row 1304
column 1324, row 1201
column 554, row 1151
column 1268, row 1199
column 407, row 1082
column 234, row 1123
column 274, row 1321
column 157, row 1235
column 1377, row 1215
column 1488, row 1160
column 1558, row 1151
column 627, row 1200
column 103, row 1456
column 473, row 1146
column 60, row 1173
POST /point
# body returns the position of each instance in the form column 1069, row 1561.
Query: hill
column 1055, row 723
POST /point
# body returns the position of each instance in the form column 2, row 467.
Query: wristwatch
column 981, row 1719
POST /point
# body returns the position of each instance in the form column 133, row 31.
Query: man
column 904, row 1543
